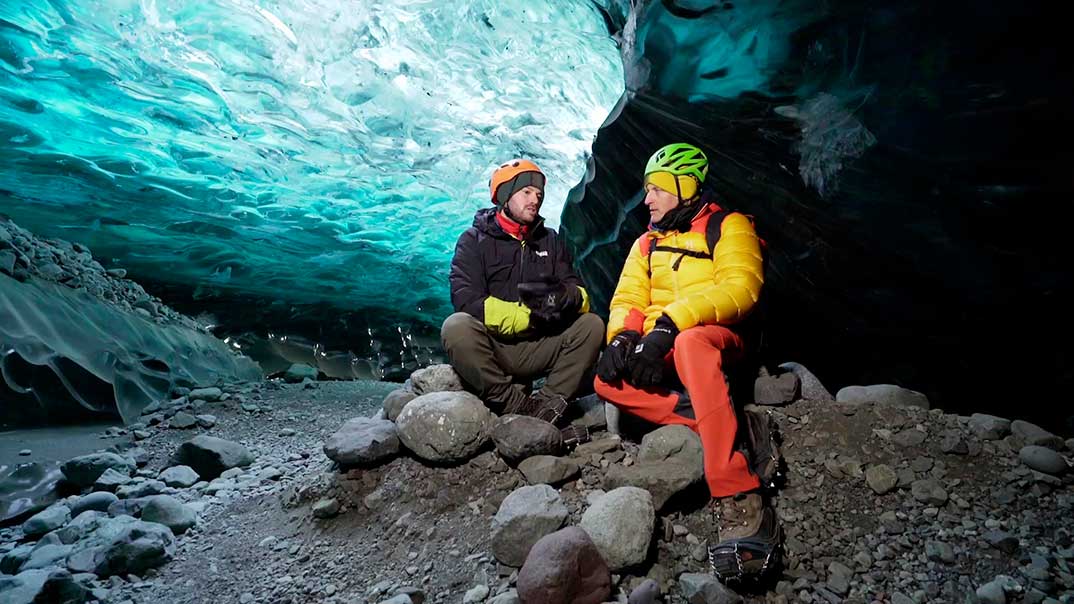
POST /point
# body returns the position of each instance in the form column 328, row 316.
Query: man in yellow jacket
column 685, row 284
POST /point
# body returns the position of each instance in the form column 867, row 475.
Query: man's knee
column 459, row 328
column 590, row 328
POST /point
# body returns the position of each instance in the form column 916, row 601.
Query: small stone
column 477, row 594
column 182, row 421
column 938, row 551
column 181, row 477
column 326, row 508
column 287, row 432
column 1002, row 541
column 25, row 452
column 881, row 478
column 929, row 491
column 206, row 421
column 49, row 519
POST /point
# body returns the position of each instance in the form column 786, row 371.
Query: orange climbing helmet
column 513, row 176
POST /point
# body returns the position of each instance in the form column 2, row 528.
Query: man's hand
column 647, row 363
column 549, row 300
column 613, row 361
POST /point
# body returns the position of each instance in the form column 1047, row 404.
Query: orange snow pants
column 697, row 358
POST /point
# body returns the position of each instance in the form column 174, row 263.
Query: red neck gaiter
column 512, row 228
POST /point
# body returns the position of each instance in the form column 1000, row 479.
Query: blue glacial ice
column 311, row 152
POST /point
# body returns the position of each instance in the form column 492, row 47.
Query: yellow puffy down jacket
column 686, row 283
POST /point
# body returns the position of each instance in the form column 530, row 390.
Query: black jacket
column 490, row 262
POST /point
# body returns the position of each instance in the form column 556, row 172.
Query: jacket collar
column 485, row 220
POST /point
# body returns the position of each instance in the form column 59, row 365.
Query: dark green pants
column 495, row 369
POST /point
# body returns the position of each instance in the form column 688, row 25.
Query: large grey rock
column 519, row 437
column 182, row 421
column 565, row 567
column 180, row 477
column 140, row 488
column 526, row 515
column 673, row 443
column 395, row 401
column 97, row 501
column 810, row 387
column 41, row 585
column 1043, row 459
column 445, row 426
column 363, row 441
column 663, row 480
column 989, row 427
column 49, row 519
column 546, row 469
column 82, row 525
column 884, row 394
column 703, row 588
column 435, row 378
column 669, row 461
column 46, row 555
column 111, row 480
column 84, row 470
column 298, row 372
column 776, row 389
column 169, row 511
column 621, row 526
column 1032, row 434
column 210, row 456
column 122, row 546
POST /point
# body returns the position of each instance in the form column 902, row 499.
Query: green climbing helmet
column 679, row 159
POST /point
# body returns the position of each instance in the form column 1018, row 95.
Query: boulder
column 1043, row 459
column 810, row 387
column 49, row 519
column 884, row 394
column 989, row 427
column 565, row 567
column 518, row 437
column 97, row 501
column 210, row 456
column 881, row 478
column 205, row 394
column 363, row 441
column 84, row 470
column 776, row 389
column 1032, row 434
column 180, row 477
column 546, row 469
column 669, row 461
column 41, row 585
column 526, row 515
column 395, row 401
column 169, row 511
column 621, row 526
column 444, row 426
column 111, row 480
column 123, row 546
column 435, row 378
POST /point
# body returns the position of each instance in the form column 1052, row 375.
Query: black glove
column 550, row 301
column 613, row 361
column 647, row 362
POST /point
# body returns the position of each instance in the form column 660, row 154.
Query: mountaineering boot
column 760, row 443
column 574, row 435
column 542, row 405
column 748, row 536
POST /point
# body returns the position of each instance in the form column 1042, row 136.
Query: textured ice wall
column 59, row 345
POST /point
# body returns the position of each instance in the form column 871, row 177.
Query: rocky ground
column 882, row 502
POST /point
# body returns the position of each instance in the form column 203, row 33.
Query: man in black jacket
column 521, row 311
